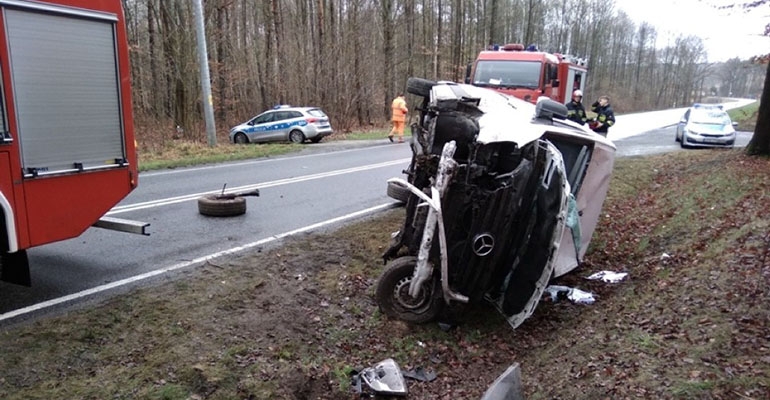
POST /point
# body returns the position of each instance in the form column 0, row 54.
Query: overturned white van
column 501, row 196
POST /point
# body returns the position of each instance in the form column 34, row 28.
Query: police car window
column 284, row 115
column 316, row 112
column 264, row 118
column 294, row 114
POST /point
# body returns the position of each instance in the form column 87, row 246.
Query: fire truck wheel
column 393, row 293
column 419, row 86
column 397, row 192
column 216, row 206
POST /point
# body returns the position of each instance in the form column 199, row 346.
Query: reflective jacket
column 605, row 115
column 398, row 107
column 576, row 112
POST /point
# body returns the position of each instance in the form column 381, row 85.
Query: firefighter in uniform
column 605, row 117
column 575, row 110
column 399, row 110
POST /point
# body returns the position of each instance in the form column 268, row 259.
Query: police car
column 705, row 125
column 282, row 123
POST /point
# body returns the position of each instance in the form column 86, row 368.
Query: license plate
column 710, row 140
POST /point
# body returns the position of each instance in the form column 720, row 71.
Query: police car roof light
column 701, row 105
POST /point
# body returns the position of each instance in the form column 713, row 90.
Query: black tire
column 682, row 143
column 397, row 192
column 419, row 86
column 240, row 138
column 214, row 206
column 296, row 136
column 393, row 293
column 316, row 139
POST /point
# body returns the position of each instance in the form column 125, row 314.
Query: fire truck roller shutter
column 58, row 53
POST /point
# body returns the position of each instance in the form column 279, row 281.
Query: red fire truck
column 527, row 73
column 67, row 151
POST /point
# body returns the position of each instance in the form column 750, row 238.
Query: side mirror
column 550, row 109
column 735, row 124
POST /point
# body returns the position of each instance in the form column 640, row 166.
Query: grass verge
column 746, row 116
column 291, row 322
column 184, row 153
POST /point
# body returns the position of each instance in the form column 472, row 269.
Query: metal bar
column 123, row 225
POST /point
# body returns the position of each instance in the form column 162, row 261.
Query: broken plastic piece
column 384, row 378
column 580, row 297
column 507, row 386
column 574, row 295
column 420, row 374
column 608, row 276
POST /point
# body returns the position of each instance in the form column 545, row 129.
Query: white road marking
column 240, row 164
column 286, row 181
column 186, row 264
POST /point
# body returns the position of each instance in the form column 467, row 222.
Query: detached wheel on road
column 398, row 192
column 393, row 293
column 221, row 206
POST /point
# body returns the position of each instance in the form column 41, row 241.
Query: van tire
column 419, row 86
column 392, row 297
column 398, row 192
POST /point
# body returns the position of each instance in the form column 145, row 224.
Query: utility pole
column 203, row 61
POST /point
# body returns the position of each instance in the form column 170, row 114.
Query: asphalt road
column 326, row 184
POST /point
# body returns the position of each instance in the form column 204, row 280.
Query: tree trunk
column 760, row 141
column 387, row 73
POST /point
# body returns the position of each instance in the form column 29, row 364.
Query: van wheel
column 397, row 192
column 419, row 86
column 221, row 206
column 296, row 136
column 393, row 293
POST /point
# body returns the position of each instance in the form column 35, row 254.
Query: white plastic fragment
column 574, row 295
column 580, row 297
column 608, row 276
column 665, row 256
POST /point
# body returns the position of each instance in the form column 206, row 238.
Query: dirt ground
column 292, row 321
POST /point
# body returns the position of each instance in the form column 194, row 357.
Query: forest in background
column 351, row 57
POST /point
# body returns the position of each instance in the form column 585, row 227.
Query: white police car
column 282, row 123
column 705, row 125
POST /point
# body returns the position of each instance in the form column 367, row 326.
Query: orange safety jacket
column 399, row 109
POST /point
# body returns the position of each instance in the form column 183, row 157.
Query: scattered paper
column 608, row 276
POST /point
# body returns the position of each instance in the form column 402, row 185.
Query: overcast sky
column 726, row 34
